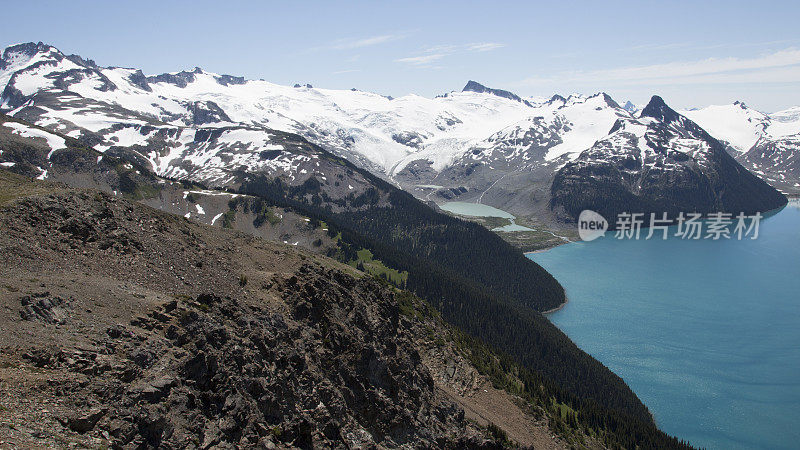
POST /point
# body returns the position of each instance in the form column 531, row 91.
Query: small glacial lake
column 481, row 210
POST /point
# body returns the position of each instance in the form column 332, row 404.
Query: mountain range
column 480, row 144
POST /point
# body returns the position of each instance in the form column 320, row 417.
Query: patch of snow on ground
column 53, row 141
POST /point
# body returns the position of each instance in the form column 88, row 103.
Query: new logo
column 591, row 225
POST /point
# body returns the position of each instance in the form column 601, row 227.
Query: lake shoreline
column 557, row 308
column 542, row 250
column 548, row 248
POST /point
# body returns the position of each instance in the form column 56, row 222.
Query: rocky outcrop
column 42, row 307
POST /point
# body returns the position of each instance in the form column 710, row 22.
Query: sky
column 691, row 53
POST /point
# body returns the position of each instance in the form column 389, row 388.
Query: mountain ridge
column 767, row 144
column 474, row 86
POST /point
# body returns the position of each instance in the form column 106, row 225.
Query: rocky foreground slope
column 127, row 327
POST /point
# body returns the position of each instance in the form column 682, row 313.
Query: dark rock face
column 139, row 79
column 84, row 422
column 474, row 86
column 183, row 78
column 227, row 80
column 180, row 79
column 11, row 96
column 409, row 138
column 207, row 112
column 610, row 101
column 28, row 49
column 777, row 159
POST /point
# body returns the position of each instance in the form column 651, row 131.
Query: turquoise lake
column 707, row 333
column 481, row 210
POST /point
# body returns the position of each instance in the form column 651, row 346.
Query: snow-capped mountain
column 734, row 124
column 479, row 144
column 69, row 93
column 659, row 162
column 166, row 119
column 513, row 167
column 767, row 144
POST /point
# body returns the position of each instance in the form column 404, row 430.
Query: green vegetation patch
column 14, row 186
column 228, row 219
column 365, row 262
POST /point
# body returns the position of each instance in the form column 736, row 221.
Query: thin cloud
column 705, row 69
column 437, row 52
column 656, row 47
column 348, row 44
column 339, row 72
column 362, row 42
column 421, row 60
column 445, row 48
column 485, row 46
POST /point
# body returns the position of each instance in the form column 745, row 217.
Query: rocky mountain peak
column 184, row 77
column 556, row 98
column 474, row 86
column 608, row 100
column 29, row 48
column 658, row 109
column 618, row 125
column 26, row 51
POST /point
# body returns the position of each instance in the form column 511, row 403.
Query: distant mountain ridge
column 480, row 144
column 767, row 144
column 474, row 86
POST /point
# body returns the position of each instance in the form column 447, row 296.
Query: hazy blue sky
column 691, row 53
